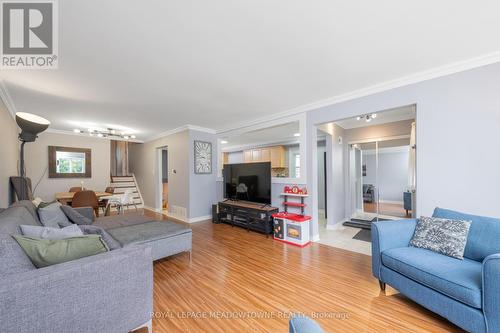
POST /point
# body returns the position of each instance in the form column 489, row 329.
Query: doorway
column 371, row 175
column 164, row 179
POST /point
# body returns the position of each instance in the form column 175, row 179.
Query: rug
column 364, row 235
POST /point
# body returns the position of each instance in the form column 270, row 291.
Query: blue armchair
column 466, row 292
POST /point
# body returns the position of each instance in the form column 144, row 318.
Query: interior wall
column 202, row 193
column 143, row 162
column 457, row 116
column 37, row 160
column 9, row 150
column 396, row 128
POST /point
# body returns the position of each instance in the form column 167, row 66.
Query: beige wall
column 37, row 163
column 9, row 149
column 144, row 163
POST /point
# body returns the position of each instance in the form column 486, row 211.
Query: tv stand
column 248, row 215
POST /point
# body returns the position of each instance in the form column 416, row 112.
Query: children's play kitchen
column 292, row 228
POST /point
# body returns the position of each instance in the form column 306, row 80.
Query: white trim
column 315, row 238
column 152, row 209
column 189, row 220
column 181, row 129
column 436, row 72
column 5, row 97
column 200, row 218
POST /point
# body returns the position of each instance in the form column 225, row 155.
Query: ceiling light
column 77, row 130
column 296, row 134
column 374, row 115
column 91, row 134
column 223, row 142
column 358, row 118
column 100, row 135
column 112, row 131
column 126, row 137
column 368, row 119
column 132, row 136
column 90, row 130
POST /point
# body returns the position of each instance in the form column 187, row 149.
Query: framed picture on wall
column 202, row 157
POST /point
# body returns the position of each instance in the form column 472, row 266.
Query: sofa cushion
column 47, row 252
column 458, row 279
column 95, row 230
column 74, row 216
column 147, row 232
column 51, row 233
column 118, row 221
column 53, row 216
column 13, row 260
column 483, row 235
column 13, row 217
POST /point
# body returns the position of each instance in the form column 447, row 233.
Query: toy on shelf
column 289, row 227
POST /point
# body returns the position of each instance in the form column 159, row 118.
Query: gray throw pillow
column 52, row 216
column 75, row 216
column 444, row 236
column 106, row 237
column 51, row 233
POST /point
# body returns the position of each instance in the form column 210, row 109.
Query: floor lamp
column 31, row 125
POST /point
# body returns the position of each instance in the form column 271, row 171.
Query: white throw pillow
column 51, row 233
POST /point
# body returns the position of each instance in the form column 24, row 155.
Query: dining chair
column 122, row 201
column 86, row 199
column 103, row 203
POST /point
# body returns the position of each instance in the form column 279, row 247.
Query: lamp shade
column 30, row 125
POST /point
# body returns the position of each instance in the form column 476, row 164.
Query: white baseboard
column 200, row 218
column 190, row 220
column 152, row 209
column 315, row 238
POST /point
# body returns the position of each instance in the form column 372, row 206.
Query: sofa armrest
column 389, row 235
column 109, row 292
column 88, row 212
column 491, row 291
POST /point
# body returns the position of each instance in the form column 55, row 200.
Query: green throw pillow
column 46, row 252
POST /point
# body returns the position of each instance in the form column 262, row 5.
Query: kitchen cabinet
column 275, row 154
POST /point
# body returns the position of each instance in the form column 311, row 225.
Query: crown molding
column 181, row 129
column 456, row 67
column 7, row 100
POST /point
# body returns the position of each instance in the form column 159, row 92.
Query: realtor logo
column 29, row 34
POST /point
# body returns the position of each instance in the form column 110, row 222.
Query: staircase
column 123, row 183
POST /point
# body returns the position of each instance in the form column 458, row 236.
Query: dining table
column 66, row 197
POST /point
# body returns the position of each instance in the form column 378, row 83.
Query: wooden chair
column 86, row 199
column 76, row 189
column 104, row 202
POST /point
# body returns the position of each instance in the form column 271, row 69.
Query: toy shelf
column 294, row 195
column 293, row 204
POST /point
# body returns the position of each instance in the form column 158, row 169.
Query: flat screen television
column 248, row 182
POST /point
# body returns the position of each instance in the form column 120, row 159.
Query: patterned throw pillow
column 444, row 236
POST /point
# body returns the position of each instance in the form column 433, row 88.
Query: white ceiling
column 383, row 117
column 156, row 65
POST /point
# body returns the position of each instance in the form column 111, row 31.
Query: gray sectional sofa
column 109, row 292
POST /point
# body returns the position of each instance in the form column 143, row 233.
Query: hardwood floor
column 396, row 210
column 238, row 273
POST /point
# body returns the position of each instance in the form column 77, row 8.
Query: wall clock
column 202, row 157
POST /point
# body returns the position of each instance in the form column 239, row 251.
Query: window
column 70, row 162
column 65, row 162
column 297, row 165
